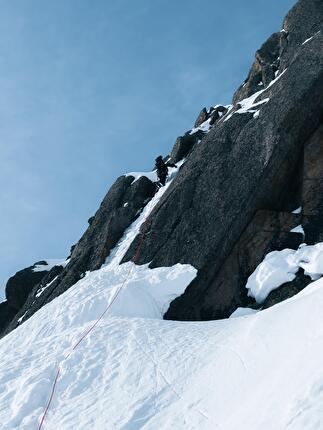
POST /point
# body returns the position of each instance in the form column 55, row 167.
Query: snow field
column 140, row 373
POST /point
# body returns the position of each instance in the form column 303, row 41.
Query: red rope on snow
column 50, row 398
column 134, row 260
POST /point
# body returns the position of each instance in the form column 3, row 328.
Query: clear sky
column 92, row 89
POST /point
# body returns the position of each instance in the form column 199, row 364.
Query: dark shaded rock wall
column 216, row 293
column 287, row 290
column 20, row 285
column 303, row 21
column 17, row 290
column 7, row 313
column 183, row 146
column 312, row 198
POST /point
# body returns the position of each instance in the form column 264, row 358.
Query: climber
column 162, row 170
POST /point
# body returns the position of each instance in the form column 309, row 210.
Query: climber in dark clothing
column 162, row 169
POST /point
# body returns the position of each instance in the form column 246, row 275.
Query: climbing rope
column 91, row 328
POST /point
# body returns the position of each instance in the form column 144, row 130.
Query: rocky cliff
column 246, row 168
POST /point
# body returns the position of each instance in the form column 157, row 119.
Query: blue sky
column 93, row 89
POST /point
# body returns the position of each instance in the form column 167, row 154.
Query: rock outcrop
column 264, row 68
column 17, row 290
column 202, row 116
column 20, row 285
column 183, row 146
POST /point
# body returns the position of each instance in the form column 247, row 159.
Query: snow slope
column 136, row 371
column 262, row 371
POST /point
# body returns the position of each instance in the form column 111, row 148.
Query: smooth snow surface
column 280, row 267
column 50, row 264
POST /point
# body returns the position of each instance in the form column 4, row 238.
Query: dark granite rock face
column 287, row 290
column 120, row 207
column 17, row 290
column 183, row 146
column 201, row 118
column 216, row 294
column 118, row 210
column 242, row 165
column 303, row 21
column 215, row 113
column 28, row 308
column 20, row 285
column 263, row 70
column 313, row 188
column 6, row 315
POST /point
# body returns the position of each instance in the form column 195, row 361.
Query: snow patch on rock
column 50, row 264
column 298, row 229
column 249, row 104
column 280, row 267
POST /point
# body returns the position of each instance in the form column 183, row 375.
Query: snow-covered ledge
column 280, row 267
